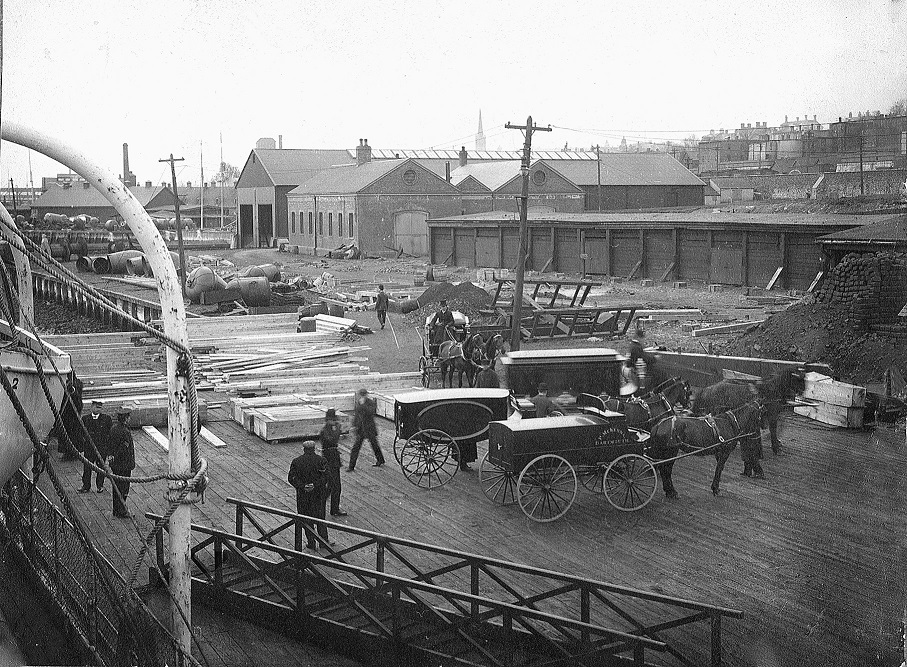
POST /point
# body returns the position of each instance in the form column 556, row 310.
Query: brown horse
column 717, row 435
column 644, row 411
column 773, row 392
column 461, row 357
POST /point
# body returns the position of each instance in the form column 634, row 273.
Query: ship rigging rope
column 44, row 457
column 185, row 362
column 196, row 480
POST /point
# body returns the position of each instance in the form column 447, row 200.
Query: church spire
column 480, row 135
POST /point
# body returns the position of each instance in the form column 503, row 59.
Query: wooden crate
column 834, row 415
column 291, row 422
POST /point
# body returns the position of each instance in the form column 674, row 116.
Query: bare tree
column 227, row 174
column 899, row 108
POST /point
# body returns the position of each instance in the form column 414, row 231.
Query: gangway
column 410, row 601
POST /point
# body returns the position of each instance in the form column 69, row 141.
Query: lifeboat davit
column 15, row 445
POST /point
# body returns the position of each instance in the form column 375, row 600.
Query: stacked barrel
column 871, row 287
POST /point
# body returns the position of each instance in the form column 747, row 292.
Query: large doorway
column 265, row 225
column 411, row 232
column 246, row 227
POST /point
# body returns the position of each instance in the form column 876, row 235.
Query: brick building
column 381, row 206
column 496, row 186
column 262, row 187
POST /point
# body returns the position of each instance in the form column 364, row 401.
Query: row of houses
column 381, row 200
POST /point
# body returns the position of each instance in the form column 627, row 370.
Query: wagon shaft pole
column 528, row 129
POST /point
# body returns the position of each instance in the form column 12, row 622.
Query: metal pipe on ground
column 255, row 291
column 85, row 264
column 115, row 262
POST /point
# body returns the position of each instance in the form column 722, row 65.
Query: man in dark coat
column 97, row 424
column 487, row 378
column 122, row 462
column 309, row 476
column 544, row 406
column 437, row 327
column 364, row 423
column 330, row 438
column 381, row 305
column 70, row 420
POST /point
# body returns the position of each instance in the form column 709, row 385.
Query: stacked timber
column 832, row 402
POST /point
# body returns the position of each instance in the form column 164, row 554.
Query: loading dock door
column 246, row 234
column 411, row 232
column 265, row 225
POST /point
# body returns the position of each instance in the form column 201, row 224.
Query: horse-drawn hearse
column 437, row 430
column 456, row 349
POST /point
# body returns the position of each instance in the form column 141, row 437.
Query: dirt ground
column 804, row 333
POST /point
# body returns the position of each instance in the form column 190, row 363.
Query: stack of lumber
column 331, row 324
column 832, row 402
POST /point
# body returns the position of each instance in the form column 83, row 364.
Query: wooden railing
column 574, row 609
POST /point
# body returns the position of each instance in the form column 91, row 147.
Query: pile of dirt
column 55, row 319
column 819, row 332
column 464, row 297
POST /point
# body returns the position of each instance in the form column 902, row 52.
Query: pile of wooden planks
column 832, row 402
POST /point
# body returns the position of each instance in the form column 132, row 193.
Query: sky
column 173, row 76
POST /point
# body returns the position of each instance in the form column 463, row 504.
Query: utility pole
column 598, row 159
column 201, row 213
column 862, row 189
column 179, row 227
column 527, row 129
column 12, row 186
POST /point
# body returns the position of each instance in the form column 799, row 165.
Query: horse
column 701, row 435
column 494, row 348
column 773, row 392
column 460, row 357
column 643, row 411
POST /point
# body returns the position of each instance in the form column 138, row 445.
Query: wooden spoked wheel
column 425, row 370
column 630, row 482
column 546, row 488
column 498, row 484
column 593, row 477
column 430, row 458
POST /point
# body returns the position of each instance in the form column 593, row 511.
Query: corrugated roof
column 490, row 174
column 347, row 178
column 78, row 195
column 293, row 166
column 454, row 155
column 627, row 169
column 692, row 217
column 889, row 230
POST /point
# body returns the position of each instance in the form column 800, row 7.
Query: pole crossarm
column 179, row 227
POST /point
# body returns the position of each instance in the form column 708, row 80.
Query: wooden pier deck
column 813, row 554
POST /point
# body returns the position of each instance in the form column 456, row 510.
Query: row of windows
column 340, row 225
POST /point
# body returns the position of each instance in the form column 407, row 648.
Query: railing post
column 239, row 519
column 474, row 589
column 218, row 561
column 507, row 625
column 297, row 534
column 395, row 621
column 379, row 563
column 716, row 639
column 585, row 610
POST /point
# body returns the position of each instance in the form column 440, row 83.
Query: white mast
column 221, row 180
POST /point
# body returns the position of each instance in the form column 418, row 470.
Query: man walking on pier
column 364, row 423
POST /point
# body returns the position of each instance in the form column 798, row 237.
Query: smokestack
column 447, row 171
column 280, row 141
column 464, row 156
column 126, row 178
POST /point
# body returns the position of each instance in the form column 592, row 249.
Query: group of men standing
column 97, row 439
column 317, row 477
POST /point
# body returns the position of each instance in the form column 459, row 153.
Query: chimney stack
column 464, row 156
column 785, row 118
column 280, row 141
column 363, row 152
column 128, row 178
column 447, row 171
column 147, row 184
column 86, row 185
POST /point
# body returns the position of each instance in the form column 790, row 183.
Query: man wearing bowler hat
column 309, row 476
column 330, row 439
column 122, row 461
column 364, row 423
column 97, row 424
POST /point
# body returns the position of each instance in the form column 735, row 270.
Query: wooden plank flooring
column 812, row 554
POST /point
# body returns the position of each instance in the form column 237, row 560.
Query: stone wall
column 847, row 184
